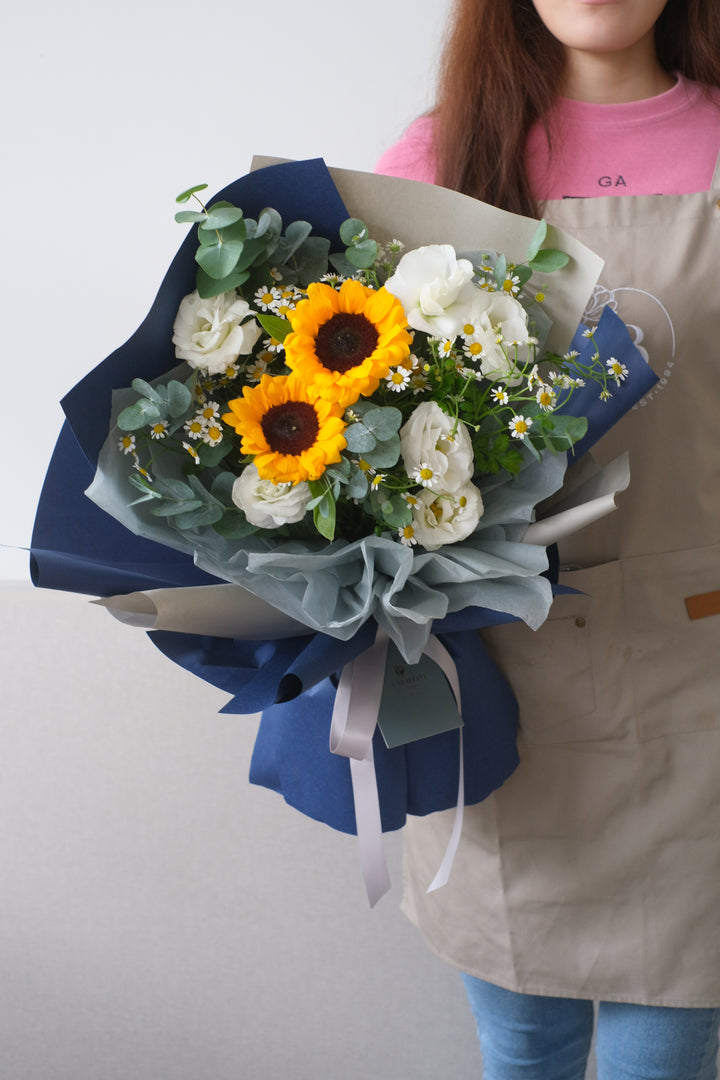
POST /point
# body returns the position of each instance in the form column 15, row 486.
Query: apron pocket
column 570, row 676
column 674, row 659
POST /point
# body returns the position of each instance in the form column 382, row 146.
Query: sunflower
column 291, row 431
column 346, row 340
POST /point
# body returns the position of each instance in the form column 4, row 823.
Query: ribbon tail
column 369, row 828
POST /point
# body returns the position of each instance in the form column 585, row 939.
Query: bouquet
column 352, row 432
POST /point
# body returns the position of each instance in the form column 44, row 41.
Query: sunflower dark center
column 291, row 427
column 344, row 341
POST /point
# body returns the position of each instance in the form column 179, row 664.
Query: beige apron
column 595, row 870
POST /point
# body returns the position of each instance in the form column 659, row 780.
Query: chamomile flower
column 499, row 395
column 589, row 332
column 255, row 371
column 195, row 426
column 143, row 472
column 398, row 379
column 406, row 535
column 378, row 479
column 423, row 474
column 511, row 284
column 210, row 411
column 192, row 452
column 473, row 349
column 420, row 382
column 571, row 354
column 266, row 299
column 213, row 434
column 127, row 444
column 230, row 373
column 617, row 369
column 519, row 426
column 410, row 499
column 445, row 346
column 159, row 429
column 546, row 397
column 272, row 345
column 365, row 467
column 534, row 379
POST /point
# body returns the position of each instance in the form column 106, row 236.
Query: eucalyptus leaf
column 210, row 456
column 352, row 231
column 184, row 216
column 138, row 415
column 340, row 263
column 205, row 515
column 384, row 454
column 269, row 223
column 358, row 486
column 324, row 518
column 359, row 439
column 179, row 398
column 548, row 260
column 312, row 259
column 173, row 509
column 185, row 195
column 234, row 525
column 500, row 271
column 222, row 214
column 171, row 488
column 536, row 240
column 208, row 287
column 218, row 260
column 144, row 389
column 383, row 422
column 362, row 255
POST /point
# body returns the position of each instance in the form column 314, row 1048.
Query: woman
column 594, row 873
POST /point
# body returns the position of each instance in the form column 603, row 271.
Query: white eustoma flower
column 430, row 440
column 210, row 334
column 266, row 504
column 435, row 289
column 499, row 322
column 446, row 518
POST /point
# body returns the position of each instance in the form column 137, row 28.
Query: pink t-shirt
column 665, row 145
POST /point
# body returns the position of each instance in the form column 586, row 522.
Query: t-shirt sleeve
column 413, row 156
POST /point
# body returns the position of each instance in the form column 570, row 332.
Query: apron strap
column 716, row 175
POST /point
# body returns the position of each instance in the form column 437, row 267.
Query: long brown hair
column 501, row 69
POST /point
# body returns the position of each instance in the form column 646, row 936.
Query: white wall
column 111, row 109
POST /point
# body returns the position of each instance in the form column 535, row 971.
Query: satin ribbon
column 355, row 712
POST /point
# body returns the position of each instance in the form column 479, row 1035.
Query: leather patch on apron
column 702, row 605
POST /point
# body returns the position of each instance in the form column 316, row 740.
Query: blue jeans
column 526, row 1037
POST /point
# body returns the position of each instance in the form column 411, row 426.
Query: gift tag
column 416, row 701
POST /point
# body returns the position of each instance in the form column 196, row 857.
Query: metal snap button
column 580, row 622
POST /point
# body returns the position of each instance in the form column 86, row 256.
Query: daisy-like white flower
column 533, row 378
column 159, row 429
column 499, row 395
column 195, row 426
column 332, row 279
column 210, row 411
column 473, row 349
column 540, row 296
column 275, row 274
column 617, row 369
column 423, row 474
column 255, row 371
column 511, row 284
column 192, row 452
column 589, row 332
column 127, row 444
column 546, row 397
column 139, row 468
column 397, row 379
column 406, row 535
column 410, row 499
column 446, row 346
column 272, row 345
column 213, row 434
column 378, row 479
column 266, row 299
column 410, row 363
column 519, row 426
column 605, row 395
column 230, row 373
column 365, row 467
column 571, row 354
column 420, row 382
